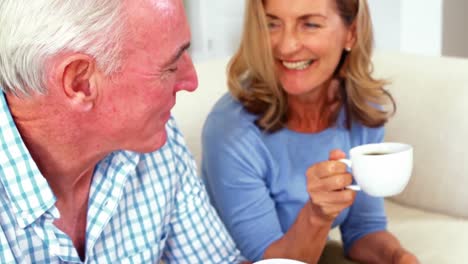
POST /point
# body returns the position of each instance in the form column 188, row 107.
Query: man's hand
column 326, row 182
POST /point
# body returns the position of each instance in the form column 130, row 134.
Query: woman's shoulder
column 230, row 136
column 362, row 134
column 229, row 117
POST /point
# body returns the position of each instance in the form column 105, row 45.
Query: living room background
column 427, row 27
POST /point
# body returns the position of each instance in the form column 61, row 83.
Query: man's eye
column 172, row 70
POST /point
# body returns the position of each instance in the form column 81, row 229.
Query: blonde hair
column 252, row 80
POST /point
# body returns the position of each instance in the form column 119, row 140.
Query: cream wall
column 386, row 18
column 216, row 26
column 421, row 26
column 427, row 27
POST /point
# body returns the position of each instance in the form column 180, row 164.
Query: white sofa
column 431, row 216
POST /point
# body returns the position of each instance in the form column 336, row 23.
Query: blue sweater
column 257, row 182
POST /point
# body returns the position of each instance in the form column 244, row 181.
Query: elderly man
column 92, row 167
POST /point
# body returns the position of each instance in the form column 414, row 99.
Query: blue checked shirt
column 142, row 208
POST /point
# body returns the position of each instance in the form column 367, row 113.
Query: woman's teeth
column 298, row 65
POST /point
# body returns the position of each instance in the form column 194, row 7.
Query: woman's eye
column 312, row 25
column 172, row 70
column 272, row 25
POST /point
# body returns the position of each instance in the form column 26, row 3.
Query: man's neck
column 64, row 156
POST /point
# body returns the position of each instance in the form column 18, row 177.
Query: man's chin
column 153, row 144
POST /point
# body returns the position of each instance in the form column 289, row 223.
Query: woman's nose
column 289, row 42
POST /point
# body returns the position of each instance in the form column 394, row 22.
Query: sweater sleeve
column 367, row 214
column 235, row 167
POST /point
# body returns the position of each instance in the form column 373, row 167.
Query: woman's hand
column 404, row 257
column 326, row 182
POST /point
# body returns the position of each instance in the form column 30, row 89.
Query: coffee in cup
column 381, row 169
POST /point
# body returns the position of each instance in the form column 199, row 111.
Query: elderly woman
column 301, row 96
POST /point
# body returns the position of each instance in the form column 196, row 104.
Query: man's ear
column 78, row 77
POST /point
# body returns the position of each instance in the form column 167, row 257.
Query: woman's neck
column 315, row 111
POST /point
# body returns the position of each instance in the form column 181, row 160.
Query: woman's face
column 307, row 38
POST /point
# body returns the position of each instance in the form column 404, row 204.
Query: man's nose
column 186, row 77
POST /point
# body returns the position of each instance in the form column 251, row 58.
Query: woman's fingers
column 325, row 169
column 336, row 154
column 329, row 205
column 326, row 182
column 331, row 183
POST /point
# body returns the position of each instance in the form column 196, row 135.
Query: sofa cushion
column 432, row 100
column 433, row 238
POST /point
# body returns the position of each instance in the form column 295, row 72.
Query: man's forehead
column 146, row 16
column 170, row 12
column 164, row 5
column 160, row 6
column 158, row 27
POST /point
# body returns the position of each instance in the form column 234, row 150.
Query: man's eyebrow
column 178, row 54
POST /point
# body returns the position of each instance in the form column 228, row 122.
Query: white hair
column 31, row 31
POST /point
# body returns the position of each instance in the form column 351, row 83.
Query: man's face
column 136, row 102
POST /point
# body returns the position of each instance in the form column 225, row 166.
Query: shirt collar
column 28, row 191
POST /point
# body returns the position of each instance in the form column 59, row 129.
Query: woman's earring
column 348, row 49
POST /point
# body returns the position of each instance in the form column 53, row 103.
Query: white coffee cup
column 279, row 261
column 381, row 169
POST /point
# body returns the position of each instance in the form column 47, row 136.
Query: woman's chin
column 296, row 90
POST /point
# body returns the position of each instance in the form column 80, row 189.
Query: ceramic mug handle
column 353, row 187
